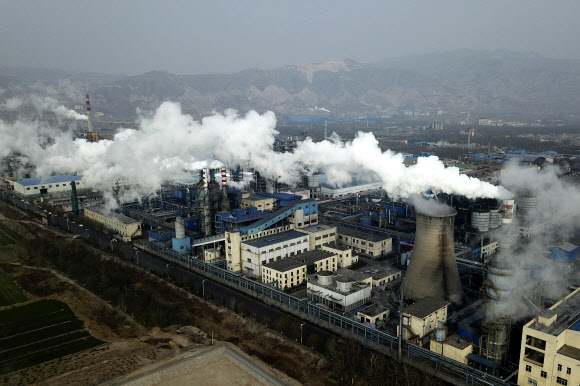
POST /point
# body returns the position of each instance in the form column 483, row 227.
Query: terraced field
column 38, row 332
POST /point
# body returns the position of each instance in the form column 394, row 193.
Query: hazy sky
column 190, row 37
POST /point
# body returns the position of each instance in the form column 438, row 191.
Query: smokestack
column 74, row 197
column 89, row 115
column 325, row 130
column 206, row 203
column 92, row 136
column 225, row 199
column 433, row 268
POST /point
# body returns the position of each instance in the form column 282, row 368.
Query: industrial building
column 341, row 293
column 374, row 315
column 46, row 186
column 453, row 347
column 267, row 249
column 345, row 257
column 320, row 235
column 375, row 275
column 125, row 226
column 365, row 243
column 294, row 270
column 333, row 192
column 421, row 318
column 550, row 348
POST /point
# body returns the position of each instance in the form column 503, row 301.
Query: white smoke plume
column 170, row 142
column 11, row 104
column 553, row 220
column 51, row 104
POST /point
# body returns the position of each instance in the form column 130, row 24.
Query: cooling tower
column 433, row 268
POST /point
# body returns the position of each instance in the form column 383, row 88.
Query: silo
column 433, row 268
column 527, row 203
column 499, row 286
column 494, row 218
column 179, row 228
column 480, row 221
column 507, row 210
column 344, row 283
column 403, row 258
column 494, row 341
column 324, row 278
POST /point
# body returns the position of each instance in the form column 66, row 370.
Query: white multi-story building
column 49, row 185
column 340, row 293
column 320, row 235
column 126, row 226
column 258, row 252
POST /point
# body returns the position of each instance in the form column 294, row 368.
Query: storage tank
column 344, row 283
column 507, row 210
column 527, row 203
column 499, row 285
column 179, row 228
column 495, row 336
column 480, row 221
column 325, row 278
column 367, row 220
column 403, row 258
column 433, row 269
column 313, row 181
column 440, row 332
column 494, row 218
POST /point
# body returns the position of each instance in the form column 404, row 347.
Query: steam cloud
column 170, row 143
column 532, row 273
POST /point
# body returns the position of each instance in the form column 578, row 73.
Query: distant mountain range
column 489, row 82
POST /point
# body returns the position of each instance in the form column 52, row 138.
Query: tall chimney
column 74, row 197
column 225, row 199
column 433, row 268
column 89, row 114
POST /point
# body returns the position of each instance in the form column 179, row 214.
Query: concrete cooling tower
column 433, row 268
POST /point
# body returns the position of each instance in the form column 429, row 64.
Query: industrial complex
column 449, row 279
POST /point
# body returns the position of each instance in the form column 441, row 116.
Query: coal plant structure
column 433, row 268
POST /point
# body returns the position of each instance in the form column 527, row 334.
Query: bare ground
column 130, row 345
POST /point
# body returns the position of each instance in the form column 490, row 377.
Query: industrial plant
column 472, row 280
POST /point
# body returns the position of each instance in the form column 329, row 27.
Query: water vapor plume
column 170, row 143
column 552, row 220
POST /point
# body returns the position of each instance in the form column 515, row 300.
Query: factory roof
column 360, row 234
column 274, row 239
column 566, row 246
column 425, row 307
column 316, row 228
column 570, row 352
column 376, row 271
column 284, row 265
column 567, row 313
column 49, row 180
column 114, row 215
column 337, row 247
column 457, row 342
column 356, row 286
column 373, row 310
column 255, row 197
column 306, row 258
